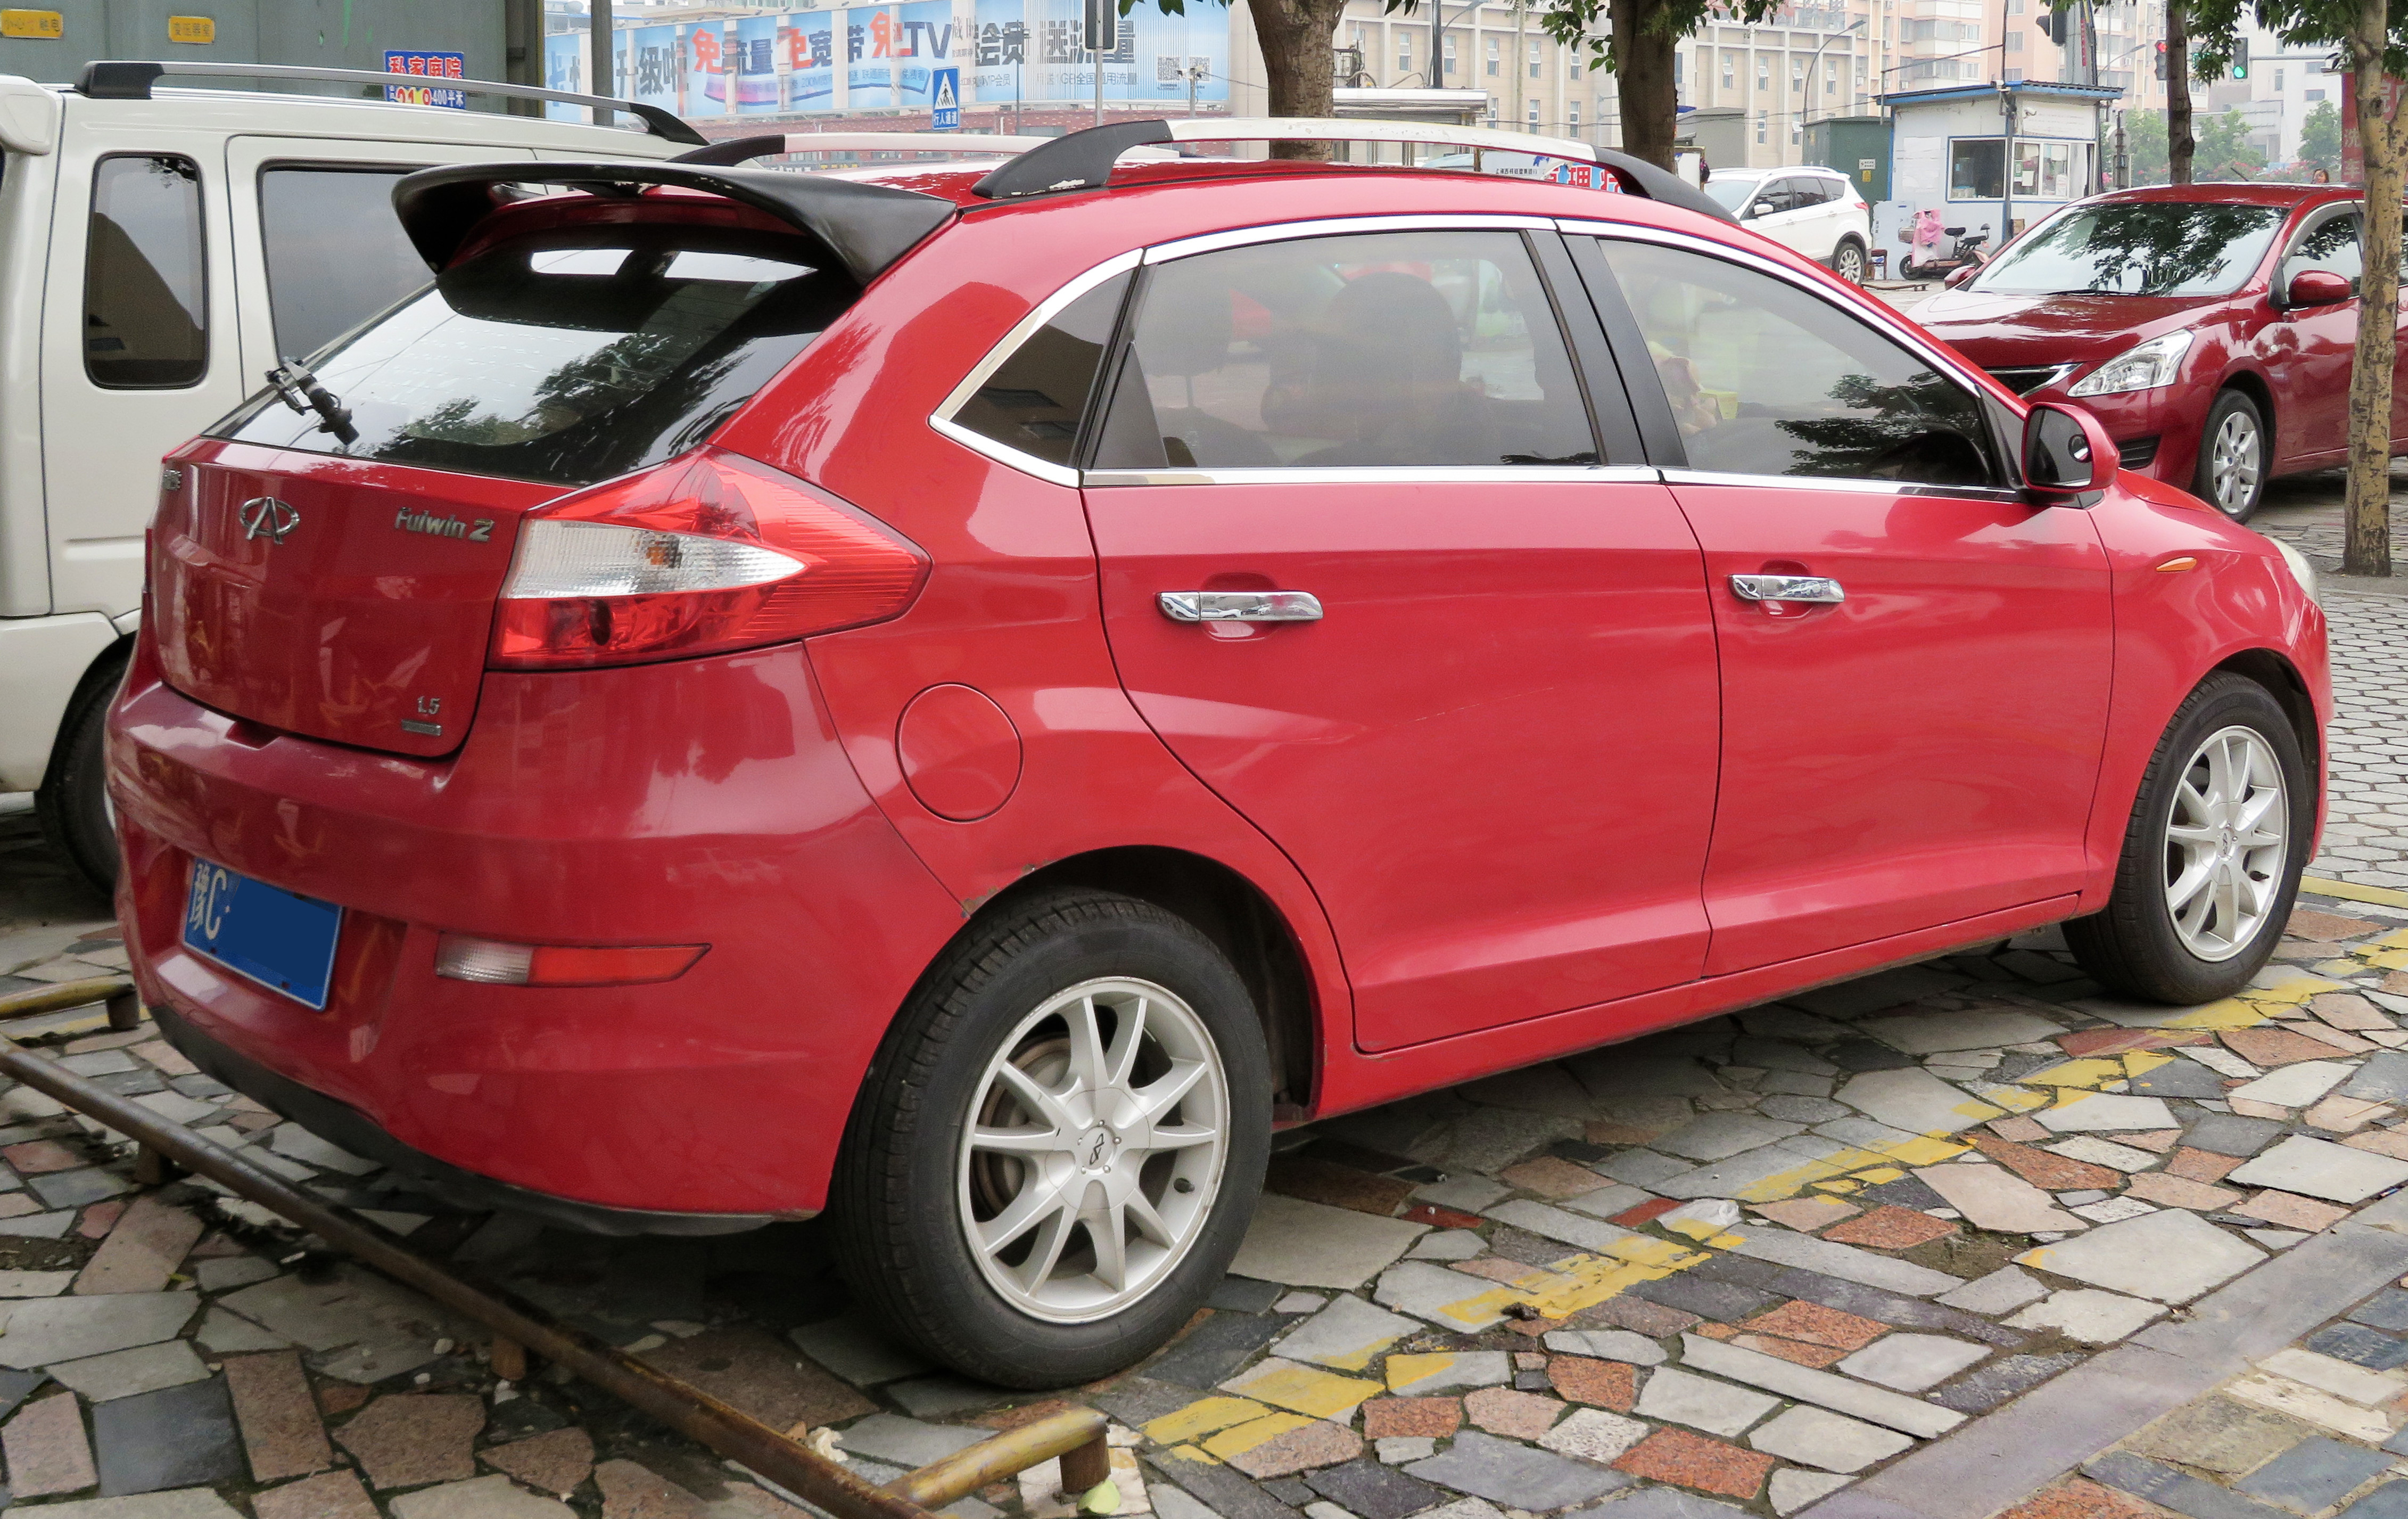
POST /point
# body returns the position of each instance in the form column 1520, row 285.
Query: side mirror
column 1958, row 276
column 1762, row 207
column 2067, row 455
column 2318, row 287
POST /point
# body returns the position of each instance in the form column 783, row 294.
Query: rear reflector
column 708, row 554
column 495, row 963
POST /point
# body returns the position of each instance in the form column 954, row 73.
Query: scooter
column 1925, row 260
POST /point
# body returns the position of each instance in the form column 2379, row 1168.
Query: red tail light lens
column 496, row 963
column 707, row 554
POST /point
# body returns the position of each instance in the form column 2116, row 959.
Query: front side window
column 1375, row 349
column 335, row 252
column 2330, row 245
column 145, row 301
column 1766, row 379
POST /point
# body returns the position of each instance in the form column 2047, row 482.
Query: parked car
column 159, row 252
column 964, row 700
column 2210, row 326
column 1817, row 212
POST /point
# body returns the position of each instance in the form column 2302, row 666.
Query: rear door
column 139, row 349
column 317, row 248
column 1488, row 739
column 1916, row 741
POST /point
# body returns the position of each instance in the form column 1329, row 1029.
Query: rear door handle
column 1787, row 588
column 1240, row 605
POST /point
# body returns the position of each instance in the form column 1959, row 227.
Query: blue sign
column 945, row 100
column 261, row 933
column 435, row 65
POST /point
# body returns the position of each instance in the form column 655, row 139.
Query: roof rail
column 1083, row 160
column 867, row 226
column 978, row 145
column 126, row 80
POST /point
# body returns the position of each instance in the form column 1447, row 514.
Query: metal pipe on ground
column 1076, row 1436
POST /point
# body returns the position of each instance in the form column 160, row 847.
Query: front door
column 1914, row 739
column 2310, row 349
column 1478, row 709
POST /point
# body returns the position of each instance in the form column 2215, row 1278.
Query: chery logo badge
column 265, row 517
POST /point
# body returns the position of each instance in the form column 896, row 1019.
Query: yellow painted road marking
column 1202, row 1417
column 1323, row 1395
column 1245, row 1436
column 2350, row 891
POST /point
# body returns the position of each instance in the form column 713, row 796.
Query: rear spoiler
column 867, row 226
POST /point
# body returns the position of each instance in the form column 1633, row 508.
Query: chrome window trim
column 1339, row 226
column 1853, row 484
column 1947, row 363
column 941, row 420
column 1383, row 475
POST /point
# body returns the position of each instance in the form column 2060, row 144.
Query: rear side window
column 145, row 303
column 336, row 251
column 570, row 356
column 1035, row 398
column 1376, row 349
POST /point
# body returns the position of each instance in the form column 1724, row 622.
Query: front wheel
column 2213, row 855
column 2232, row 454
column 72, row 805
column 1848, row 261
column 1059, row 1147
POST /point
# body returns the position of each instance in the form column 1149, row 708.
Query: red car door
column 1914, row 662
column 2309, row 348
column 1365, row 575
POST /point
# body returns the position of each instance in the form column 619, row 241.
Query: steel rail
column 1076, row 1436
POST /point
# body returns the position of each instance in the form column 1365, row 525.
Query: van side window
column 1035, row 398
column 335, row 252
column 145, row 304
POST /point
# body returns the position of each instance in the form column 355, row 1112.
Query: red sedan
column 2210, row 326
column 965, row 701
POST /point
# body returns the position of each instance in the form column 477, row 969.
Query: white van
column 159, row 252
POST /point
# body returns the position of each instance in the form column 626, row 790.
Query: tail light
column 496, row 963
column 707, row 554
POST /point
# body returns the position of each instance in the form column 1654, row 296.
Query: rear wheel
column 2232, row 457
column 1059, row 1148
column 73, row 804
column 1848, row 261
column 2213, row 855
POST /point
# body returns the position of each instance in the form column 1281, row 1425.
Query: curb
column 2003, row 1458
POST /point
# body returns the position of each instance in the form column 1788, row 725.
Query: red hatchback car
column 2210, row 326
column 965, row 701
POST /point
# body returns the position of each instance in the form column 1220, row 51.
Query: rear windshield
column 2147, row 247
column 569, row 356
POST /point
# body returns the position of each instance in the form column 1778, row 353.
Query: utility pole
column 604, row 81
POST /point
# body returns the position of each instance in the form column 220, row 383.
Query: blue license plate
column 283, row 942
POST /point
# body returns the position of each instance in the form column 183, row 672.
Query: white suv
column 1815, row 212
column 159, row 253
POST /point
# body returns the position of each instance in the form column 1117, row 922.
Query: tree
column 2180, row 143
column 2320, row 138
column 2224, row 151
column 2145, row 144
column 2373, row 37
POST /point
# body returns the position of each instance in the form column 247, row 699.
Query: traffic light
column 2241, row 66
column 2162, row 59
column 2058, row 24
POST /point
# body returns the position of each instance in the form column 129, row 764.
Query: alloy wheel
column 2234, row 462
column 2227, row 840
column 1849, row 264
column 1093, row 1150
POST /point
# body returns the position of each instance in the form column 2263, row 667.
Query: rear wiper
column 298, row 388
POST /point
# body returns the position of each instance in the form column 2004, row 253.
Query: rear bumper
column 702, row 802
column 352, row 1130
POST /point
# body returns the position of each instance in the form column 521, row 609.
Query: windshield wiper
column 298, row 388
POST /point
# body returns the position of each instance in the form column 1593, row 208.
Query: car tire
column 991, row 1044
column 2212, row 857
column 72, row 805
column 1848, row 261
column 2232, row 456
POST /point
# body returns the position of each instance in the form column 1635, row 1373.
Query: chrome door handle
column 1240, row 605
column 1787, row 588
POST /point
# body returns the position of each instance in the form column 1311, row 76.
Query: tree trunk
column 1299, row 40
column 2368, row 549
column 2180, row 144
column 1643, row 70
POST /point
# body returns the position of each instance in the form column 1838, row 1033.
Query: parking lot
column 1925, row 1242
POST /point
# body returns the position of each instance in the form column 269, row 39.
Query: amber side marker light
column 495, row 963
column 2181, row 562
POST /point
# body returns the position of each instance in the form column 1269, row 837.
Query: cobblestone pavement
column 1915, row 1245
